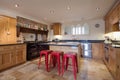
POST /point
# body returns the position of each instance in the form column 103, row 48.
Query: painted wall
column 94, row 33
column 24, row 36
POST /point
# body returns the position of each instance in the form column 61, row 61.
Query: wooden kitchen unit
column 98, row 50
column 56, row 28
column 11, row 55
column 113, row 61
column 112, row 19
column 7, row 30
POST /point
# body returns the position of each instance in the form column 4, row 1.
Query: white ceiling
column 40, row 9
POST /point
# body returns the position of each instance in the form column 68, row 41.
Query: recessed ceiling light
column 16, row 5
column 51, row 11
column 97, row 9
column 68, row 8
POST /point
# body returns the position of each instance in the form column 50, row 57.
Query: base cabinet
column 97, row 50
column 11, row 55
column 113, row 63
column 118, row 64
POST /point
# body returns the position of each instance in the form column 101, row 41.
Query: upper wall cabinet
column 7, row 30
column 119, row 11
column 112, row 19
column 56, row 28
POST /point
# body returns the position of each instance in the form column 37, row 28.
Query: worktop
column 12, row 44
column 62, row 43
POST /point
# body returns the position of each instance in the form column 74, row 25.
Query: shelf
column 28, row 30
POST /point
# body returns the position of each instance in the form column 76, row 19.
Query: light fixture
column 97, row 9
column 52, row 11
column 16, row 5
column 68, row 8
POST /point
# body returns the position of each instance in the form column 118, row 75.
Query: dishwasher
column 86, row 50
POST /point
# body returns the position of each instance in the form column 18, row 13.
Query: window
column 77, row 29
column 80, row 30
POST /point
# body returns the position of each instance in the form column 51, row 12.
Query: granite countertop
column 61, row 43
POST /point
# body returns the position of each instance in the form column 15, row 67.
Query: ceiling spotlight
column 68, row 8
column 16, row 5
column 51, row 11
column 97, row 9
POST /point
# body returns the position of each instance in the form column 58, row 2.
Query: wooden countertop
column 11, row 44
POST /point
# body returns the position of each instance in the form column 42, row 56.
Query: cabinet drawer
column 4, row 48
column 19, row 47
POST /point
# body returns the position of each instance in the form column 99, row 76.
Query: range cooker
column 34, row 48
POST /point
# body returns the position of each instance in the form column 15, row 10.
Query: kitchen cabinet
column 113, row 63
column 112, row 18
column 118, row 64
column 56, row 28
column 20, row 54
column 7, row 59
column 7, row 30
column 11, row 55
column 97, row 50
column 119, row 10
column 115, row 15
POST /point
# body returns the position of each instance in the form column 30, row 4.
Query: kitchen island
column 66, row 47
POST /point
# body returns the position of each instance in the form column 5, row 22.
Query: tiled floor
column 89, row 70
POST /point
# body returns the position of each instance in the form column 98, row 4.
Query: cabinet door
column 7, row 59
column 106, row 25
column 112, row 61
column 97, row 50
column 114, row 15
column 3, row 30
column 0, row 61
column 56, row 28
column 118, row 65
column 19, row 56
column 119, row 10
column 11, row 35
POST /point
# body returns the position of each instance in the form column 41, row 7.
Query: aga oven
column 33, row 49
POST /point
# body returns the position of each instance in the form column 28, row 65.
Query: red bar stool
column 55, row 58
column 46, row 53
column 66, row 57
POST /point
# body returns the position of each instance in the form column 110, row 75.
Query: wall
column 94, row 34
column 113, row 35
column 26, row 36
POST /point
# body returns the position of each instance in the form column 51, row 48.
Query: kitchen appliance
column 86, row 50
column 33, row 49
